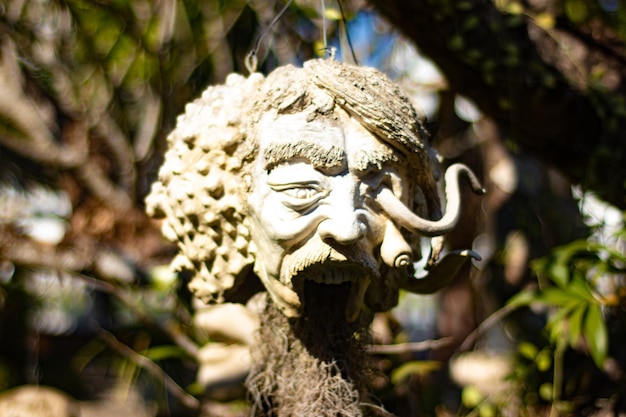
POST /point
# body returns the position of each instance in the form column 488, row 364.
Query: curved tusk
column 409, row 220
column 440, row 275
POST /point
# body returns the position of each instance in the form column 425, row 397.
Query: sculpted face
column 312, row 209
column 343, row 186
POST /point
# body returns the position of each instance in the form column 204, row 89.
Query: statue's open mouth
column 350, row 279
column 333, row 272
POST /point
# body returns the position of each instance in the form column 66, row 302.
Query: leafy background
column 528, row 93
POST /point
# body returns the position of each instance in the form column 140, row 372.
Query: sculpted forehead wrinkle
column 321, row 157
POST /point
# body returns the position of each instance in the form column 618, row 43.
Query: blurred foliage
column 582, row 289
column 88, row 91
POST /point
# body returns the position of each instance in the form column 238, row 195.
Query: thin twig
column 147, row 364
column 180, row 339
column 251, row 58
column 409, row 347
column 487, row 324
column 557, row 381
column 345, row 28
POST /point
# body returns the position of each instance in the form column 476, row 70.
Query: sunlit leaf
column 572, row 249
column 545, row 20
column 557, row 297
column 544, row 360
column 158, row 353
column 575, row 323
column 616, row 255
column 539, row 265
column 527, row 350
column 514, row 7
column 558, row 321
column 413, row 367
column 559, row 273
column 487, row 410
column 522, row 298
column 195, row 388
column 596, row 334
column 579, row 287
column 576, row 10
column 332, row 14
column 545, row 391
column 107, row 35
column 471, row 396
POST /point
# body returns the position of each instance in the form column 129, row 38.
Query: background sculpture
column 319, row 182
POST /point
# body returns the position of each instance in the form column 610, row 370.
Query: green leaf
column 471, row 396
column 539, row 265
column 413, row 367
column 195, row 388
column 527, row 350
column 572, row 249
column 576, row 11
column 544, row 360
column 522, row 298
column 559, row 273
column 545, row 20
column 545, row 391
column 487, row 410
column 596, row 335
column 557, row 297
column 576, row 323
column 558, row 323
column 456, row 42
column 580, row 287
column 615, row 255
column 158, row 353
column 332, row 14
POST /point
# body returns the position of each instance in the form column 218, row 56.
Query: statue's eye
column 301, row 193
column 298, row 186
column 298, row 196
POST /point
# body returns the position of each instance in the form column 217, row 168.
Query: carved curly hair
column 199, row 188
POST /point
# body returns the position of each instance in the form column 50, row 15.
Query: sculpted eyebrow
column 368, row 160
column 319, row 156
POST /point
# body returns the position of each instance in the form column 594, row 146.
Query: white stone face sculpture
column 313, row 212
column 321, row 174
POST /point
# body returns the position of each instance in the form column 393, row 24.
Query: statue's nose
column 343, row 231
column 344, row 224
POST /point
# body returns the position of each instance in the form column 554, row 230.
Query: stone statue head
column 321, row 175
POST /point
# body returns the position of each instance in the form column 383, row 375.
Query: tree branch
column 151, row 367
column 409, row 347
column 488, row 56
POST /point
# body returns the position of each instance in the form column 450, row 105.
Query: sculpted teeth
column 332, row 276
column 360, row 283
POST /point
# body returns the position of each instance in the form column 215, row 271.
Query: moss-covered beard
column 311, row 366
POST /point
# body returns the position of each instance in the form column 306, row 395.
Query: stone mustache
column 321, row 174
